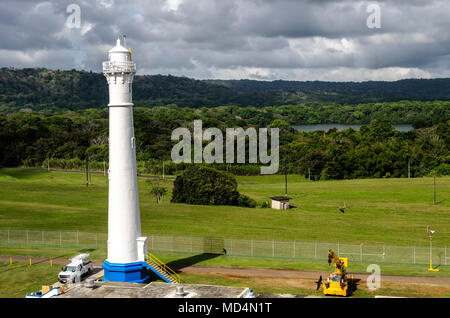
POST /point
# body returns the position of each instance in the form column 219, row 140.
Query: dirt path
column 253, row 271
column 299, row 274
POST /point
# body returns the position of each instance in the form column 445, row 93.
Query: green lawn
column 391, row 211
column 18, row 279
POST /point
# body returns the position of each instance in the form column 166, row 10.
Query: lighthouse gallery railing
column 119, row 67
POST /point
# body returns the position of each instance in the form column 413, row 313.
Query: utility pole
column 409, row 170
column 309, row 174
column 87, row 172
column 430, row 235
column 285, row 180
column 434, row 187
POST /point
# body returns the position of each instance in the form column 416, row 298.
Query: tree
column 313, row 163
column 157, row 189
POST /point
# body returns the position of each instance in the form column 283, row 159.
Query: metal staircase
column 162, row 270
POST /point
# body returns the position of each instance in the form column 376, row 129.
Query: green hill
column 51, row 90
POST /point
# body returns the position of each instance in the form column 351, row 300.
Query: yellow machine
column 337, row 282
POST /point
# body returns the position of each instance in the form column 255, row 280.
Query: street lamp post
column 430, row 235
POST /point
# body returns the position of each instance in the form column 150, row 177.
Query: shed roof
column 281, row 198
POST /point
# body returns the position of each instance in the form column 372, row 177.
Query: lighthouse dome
column 118, row 48
column 119, row 53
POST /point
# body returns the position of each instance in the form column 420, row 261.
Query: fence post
column 251, row 247
column 384, row 250
column 445, row 254
column 231, row 246
column 8, row 235
column 77, row 239
column 27, row 236
column 294, row 248
column 96, row 239
column 414, row 254
column 360, row 253
column 42, row 237
column 273, row 248
column 191, row 245
column 315, row 249
column 60, row 238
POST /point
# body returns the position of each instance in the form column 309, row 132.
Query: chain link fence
column 54, row 238
column 377, row 253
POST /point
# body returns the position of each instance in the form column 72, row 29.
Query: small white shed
column 280, row 203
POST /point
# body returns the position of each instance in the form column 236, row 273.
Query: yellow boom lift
column 338, row 283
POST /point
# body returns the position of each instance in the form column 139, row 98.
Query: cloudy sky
column 232, row 39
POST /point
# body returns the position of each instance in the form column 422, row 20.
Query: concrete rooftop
column 151, row 290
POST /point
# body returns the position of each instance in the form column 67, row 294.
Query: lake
column 326, row 127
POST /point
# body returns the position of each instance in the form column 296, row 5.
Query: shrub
column 208, row 186
column 443, row 170
column 265, row 204
column 246, row 201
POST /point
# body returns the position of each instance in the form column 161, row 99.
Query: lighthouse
column 127, row 249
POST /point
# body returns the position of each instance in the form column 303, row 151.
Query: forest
column 67, row 139
column 39, row 89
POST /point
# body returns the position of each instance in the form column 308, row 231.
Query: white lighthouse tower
column 126, row 248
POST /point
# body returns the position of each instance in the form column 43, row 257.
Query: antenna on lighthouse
column 124, row 40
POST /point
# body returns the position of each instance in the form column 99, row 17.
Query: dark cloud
column 263, row 39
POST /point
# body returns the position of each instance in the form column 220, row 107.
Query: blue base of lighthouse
column 128, row 273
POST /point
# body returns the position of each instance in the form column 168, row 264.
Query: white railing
column 119, row 67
